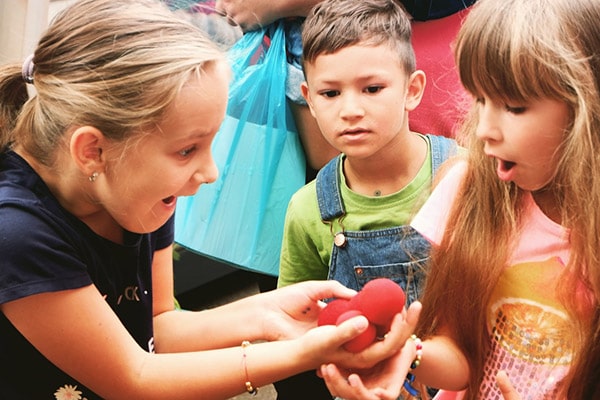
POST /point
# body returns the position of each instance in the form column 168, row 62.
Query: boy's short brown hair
column 335, row 24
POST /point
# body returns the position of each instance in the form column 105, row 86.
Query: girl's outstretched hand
column 289, row 312
column 506, row 388
column 384, row 379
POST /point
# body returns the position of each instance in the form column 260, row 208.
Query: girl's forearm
column 443, row 365
column 224, row 326
column 219, row 373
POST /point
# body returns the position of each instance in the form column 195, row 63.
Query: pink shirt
column 529, row 328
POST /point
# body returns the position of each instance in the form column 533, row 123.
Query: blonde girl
column 126, row 99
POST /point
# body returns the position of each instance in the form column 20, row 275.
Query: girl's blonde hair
column 516, row 51
column 114, row 65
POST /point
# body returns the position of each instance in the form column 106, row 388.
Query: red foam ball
column 363, row 340
column 379, row 300
column 331, row 312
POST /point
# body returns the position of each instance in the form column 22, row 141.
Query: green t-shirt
column 307, row 240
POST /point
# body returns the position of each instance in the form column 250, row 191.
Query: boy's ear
column 86, row 148
column 306, row 95
column 415, row 89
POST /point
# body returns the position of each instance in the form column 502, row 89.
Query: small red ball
column 331, row 312
column 379, row 300
column 363, row 340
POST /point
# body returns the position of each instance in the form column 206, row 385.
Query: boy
column 350, row 224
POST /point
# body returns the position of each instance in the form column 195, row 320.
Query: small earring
column 93, row 177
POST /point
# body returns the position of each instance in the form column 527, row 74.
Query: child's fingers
column 332, row 377
column 506, row 388
column 347, row 388
column 413, row 313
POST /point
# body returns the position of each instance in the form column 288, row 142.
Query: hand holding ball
column 379, row 301
column 363, row 340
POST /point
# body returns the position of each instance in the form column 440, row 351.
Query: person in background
column 126, row 101
column 510, row 307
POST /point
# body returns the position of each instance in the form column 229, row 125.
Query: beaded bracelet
column 410, row 378
column 417, row 361
column 249, row 388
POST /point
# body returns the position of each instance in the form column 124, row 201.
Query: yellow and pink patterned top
column 529, row 328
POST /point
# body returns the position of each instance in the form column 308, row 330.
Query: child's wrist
column 410, row 377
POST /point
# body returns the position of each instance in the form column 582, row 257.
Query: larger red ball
column 362, row 341
column 379, row 300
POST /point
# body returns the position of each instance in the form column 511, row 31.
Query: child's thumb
column 352, row 327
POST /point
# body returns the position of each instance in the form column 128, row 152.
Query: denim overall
column 398, row 253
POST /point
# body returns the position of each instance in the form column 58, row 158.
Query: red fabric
column 444, row 100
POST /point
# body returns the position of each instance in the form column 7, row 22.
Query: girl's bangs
column 507, row 64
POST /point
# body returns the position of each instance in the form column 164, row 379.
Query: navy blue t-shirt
column 44, row 248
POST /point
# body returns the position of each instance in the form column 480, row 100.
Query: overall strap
column 441, row 149
column 329, row 194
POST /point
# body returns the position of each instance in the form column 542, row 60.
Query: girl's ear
column 86, row 149
column 415, row 89
column 306, row 95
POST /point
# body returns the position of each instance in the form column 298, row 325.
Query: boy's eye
column 373, row 89
column 187, row 151
column 330, row 93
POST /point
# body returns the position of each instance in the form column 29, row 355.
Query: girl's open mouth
column 169, row 200
column 505, row 169
column 506, row 165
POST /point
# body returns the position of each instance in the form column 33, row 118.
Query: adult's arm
column 252, row 14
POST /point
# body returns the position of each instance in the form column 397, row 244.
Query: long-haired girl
column 515, row 273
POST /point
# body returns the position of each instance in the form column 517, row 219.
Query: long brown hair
column 521, row 50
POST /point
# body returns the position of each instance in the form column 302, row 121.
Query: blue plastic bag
column 239, row 218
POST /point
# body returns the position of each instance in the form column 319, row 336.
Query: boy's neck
column 385, row 174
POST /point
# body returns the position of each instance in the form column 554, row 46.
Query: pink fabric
column 544, row 237
column 431, row 219
column 444, row 100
